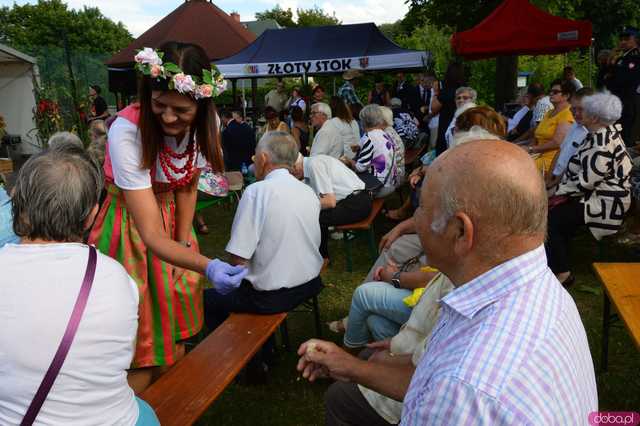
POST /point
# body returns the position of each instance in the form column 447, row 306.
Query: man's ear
column 462, row 230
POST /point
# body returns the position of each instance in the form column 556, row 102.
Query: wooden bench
column 185, row 392
column 365, row 225
column 621, row 283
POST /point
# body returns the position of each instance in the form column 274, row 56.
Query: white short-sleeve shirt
column 125, row 151
column 39, row 285
column 277, row 228
column 326, row 175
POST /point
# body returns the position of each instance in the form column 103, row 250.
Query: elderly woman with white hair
column 465, row 98
column 376, row 154
column 595, row 190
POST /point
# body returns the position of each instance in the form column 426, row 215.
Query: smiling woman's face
column 175, row 112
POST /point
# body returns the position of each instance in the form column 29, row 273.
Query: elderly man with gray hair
column 328, row 139
column 55, row 201
column 508, row 346
column 276, row 233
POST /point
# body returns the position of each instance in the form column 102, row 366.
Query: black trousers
column 354, row 208
column 630, row 119
column 345, row 406
column 564, row 221
column 245, row 298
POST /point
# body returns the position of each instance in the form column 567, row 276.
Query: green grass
column 289, row 400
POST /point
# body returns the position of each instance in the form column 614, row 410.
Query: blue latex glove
column 225, row 277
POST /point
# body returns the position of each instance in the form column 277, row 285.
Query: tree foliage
column 27, row 27
column 312, row 17
column 283, row 17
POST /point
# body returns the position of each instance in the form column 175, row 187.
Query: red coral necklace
column 167, row 155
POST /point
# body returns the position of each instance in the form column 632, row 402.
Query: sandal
column 339, row 326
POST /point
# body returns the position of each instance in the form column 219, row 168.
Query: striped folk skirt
column 169, row 310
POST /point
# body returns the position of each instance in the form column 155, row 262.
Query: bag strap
column 65, row 344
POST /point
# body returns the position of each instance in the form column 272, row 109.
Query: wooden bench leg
column 606, row 322
column 316, row 317
column 284, row 333
column 347, row 250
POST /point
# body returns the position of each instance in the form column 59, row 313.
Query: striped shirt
column 509, row 348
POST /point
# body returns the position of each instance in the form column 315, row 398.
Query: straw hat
column 351, row 74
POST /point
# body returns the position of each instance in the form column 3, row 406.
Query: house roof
column 194, row 21
column 258, row 27
column 8, row 54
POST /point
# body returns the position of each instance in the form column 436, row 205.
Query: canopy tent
column 195, row 21
column 18, row 74
column 320, row 50
column 517, row 27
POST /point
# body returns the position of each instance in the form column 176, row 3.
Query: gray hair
column 372, row 116
column 604, row 107
column 281, row 147
column 323, row 108
column 471, row 91
column 395, row 102
column 61, row 138
column 388, row 116
column 55, row 193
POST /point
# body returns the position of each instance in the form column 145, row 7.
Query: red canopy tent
column 517, row 27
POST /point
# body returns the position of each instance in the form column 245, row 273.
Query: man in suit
column 404, row 91
column 238, row 142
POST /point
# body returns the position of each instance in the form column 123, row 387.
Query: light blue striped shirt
column 509, row 348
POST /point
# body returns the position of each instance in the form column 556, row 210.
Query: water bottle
column 244, row 169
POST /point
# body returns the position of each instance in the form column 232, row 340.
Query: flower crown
column 212, row 84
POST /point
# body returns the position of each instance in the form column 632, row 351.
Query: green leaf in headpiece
column 172, row 68
column 207, row 77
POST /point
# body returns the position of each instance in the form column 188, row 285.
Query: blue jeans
column 147, row 416
column 377, row 312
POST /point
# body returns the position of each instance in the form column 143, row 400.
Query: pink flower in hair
column 204, row 91
column 148, row 56
column 156, row 70
column 183, row 83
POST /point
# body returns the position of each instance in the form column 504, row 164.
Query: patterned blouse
column 599, row 173
column 377, row 156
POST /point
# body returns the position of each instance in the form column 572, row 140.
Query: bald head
column 495, row 184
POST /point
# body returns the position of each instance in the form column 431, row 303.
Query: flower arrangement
column 149, row 62
column 48, row 120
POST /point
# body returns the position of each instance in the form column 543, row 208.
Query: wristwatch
column 395, row 279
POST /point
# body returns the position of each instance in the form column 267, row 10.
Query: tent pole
column 254, row 101
column 244, row 101
column 234, row 92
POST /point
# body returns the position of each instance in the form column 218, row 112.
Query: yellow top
column 413, row 299
column 545, row 131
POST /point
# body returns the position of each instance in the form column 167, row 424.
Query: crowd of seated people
column 435, row 332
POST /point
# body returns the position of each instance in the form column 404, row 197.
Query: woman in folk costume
column 155, row 151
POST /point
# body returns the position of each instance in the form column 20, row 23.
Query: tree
column 31, row 26
column 283, row 17
column 315, row 17
column 312, row 17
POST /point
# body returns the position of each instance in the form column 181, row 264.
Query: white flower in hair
column 183, row 83
column 148, row 56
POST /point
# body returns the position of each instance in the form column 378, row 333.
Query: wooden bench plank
column 364, row 224
column 184, row 393
column 621, row 281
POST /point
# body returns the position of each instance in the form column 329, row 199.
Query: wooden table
column 621, row 283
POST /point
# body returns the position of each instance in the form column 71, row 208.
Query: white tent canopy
column 17, row 99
